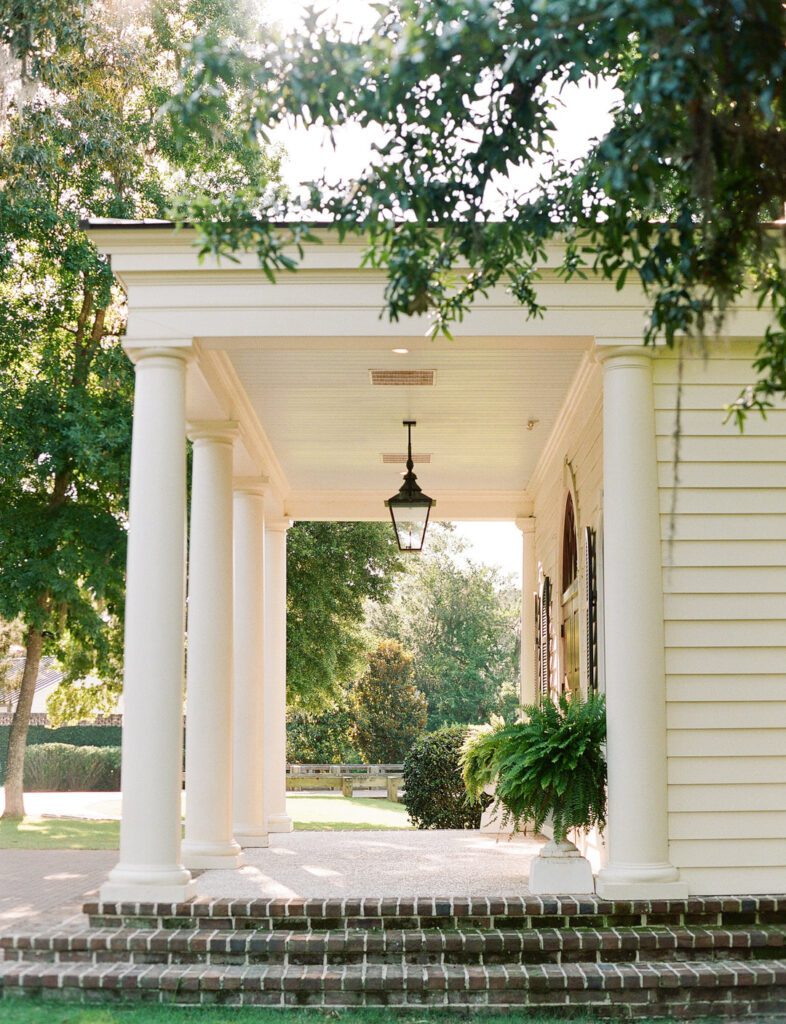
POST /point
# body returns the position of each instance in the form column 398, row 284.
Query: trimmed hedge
column 434, row 792
column 64, row 768
column 76, row 735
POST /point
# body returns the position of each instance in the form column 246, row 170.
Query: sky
column 583, row 116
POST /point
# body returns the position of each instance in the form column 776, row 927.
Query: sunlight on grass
column 313, row 811
column 59, row 834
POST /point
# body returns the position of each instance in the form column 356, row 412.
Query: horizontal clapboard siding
column 724, row 579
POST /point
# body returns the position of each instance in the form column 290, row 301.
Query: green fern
column 549, row 764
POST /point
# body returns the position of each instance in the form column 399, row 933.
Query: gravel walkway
column 321, row 864
column 40, row 888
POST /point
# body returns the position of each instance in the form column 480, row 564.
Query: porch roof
column 291, row 362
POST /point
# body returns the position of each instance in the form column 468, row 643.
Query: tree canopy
column 681, row 192
column 87, row 140
column 333, row 569
column 390, row 712
column 460, row 621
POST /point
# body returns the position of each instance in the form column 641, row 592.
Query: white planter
column 560, row 870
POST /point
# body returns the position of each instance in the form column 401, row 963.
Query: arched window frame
column 569, row 492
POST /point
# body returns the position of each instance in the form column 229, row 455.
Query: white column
column 208, row 840
column 276, row 675
column 635, row 667
column 150, row 867
column 529, row 583
column 250, row 825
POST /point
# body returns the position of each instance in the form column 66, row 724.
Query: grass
column 58, row 834
column 33, row 1012
column 332, row 812
column 311, row 812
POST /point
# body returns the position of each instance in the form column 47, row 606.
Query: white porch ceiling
column 329, row 426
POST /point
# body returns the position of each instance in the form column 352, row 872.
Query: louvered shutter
column 544, row 637
column 591, row 605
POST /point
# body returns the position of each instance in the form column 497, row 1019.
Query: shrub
column 390, row 711
column 549, row 765
column 76, row 735
column 62, row 767
column 434, row 789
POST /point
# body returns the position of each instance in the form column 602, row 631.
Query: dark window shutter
column 591, row 604
column 544, row 637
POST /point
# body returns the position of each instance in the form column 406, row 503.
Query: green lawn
column 311, row 811
column 23, row 1012
column 332, row 812
column 58, row 834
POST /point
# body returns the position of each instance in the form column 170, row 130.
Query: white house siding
column 724, row 580
column 573, row 453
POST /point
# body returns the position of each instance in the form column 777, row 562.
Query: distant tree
column 461, row 621
column 390, row 712
column 333, row 569
column 322, row 737
column 87, row 141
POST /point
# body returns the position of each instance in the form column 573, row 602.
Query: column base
column 252, row 837
column 641, row 882
column 280, row 823
column 560, row 870
column 143, row 884
column 211, row 855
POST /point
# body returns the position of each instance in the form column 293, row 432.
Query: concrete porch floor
column 428, row 863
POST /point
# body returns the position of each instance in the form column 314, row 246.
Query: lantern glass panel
column 410, row 521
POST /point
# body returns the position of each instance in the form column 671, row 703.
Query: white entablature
column 290, row 363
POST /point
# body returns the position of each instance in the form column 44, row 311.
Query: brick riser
column 731, row 988
column 398, row 948
column 685, row 958
column 455, row 913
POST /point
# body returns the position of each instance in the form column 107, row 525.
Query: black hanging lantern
column 410, row 508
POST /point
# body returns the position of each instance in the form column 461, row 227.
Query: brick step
column 389, row 946
column 729, row 987
column 427, row 912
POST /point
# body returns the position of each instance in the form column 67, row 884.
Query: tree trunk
column 17, row 737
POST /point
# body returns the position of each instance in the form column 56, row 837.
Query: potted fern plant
column 550, row 766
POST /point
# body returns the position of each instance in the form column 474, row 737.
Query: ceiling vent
column 400, row 458
column 403, row 378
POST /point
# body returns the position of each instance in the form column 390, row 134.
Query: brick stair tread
column 547, row 977
column 162, row 940
column 514, row 906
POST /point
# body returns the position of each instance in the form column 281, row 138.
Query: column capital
column 526, row 524
column 143, row 355
column 217, row 431
column 279, row 524
column 624, row 354
column 256, row 485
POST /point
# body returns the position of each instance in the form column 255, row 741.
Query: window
column 570, row 629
